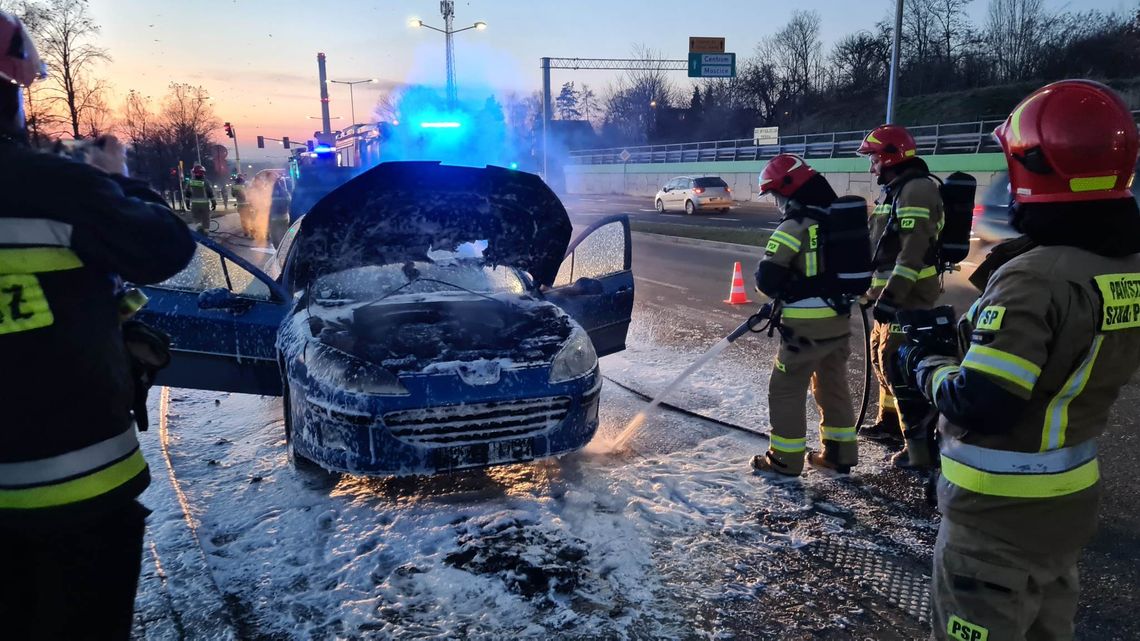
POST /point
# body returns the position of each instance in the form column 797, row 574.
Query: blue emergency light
column 441, row 125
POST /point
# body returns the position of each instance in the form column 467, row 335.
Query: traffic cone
column 737, row 296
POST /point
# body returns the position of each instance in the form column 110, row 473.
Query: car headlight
column 577, row 358
column 350, row 373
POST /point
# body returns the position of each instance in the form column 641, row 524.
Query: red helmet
column 784, row 175
column 198, row 171
column 1069, row 140
column 886, row 146
column 19, row 62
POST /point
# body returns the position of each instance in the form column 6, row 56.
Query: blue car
column 420, row 318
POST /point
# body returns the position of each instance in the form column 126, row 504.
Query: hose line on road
column 680, row 410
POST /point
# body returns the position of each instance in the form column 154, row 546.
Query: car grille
column 477, row 423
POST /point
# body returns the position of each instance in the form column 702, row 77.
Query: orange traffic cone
column 737, row 296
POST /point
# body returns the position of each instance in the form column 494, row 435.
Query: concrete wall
column 847, row 175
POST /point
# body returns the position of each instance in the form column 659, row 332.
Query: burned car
column 420, row 318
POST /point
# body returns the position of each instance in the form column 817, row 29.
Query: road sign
column 624, row 155
column 706, row 45
column 766, row 135
column 712, row 65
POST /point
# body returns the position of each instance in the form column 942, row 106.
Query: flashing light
column 440, row 125
column 396, row 123
column 322, row 149
column 514, row 165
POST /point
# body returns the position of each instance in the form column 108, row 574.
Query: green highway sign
column 712, row 65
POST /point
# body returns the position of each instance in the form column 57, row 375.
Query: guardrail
column 955, row 138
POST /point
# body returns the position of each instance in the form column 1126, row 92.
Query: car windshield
column 447, row 272
column 709, row 182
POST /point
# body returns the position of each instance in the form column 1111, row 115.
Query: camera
column 928, row 333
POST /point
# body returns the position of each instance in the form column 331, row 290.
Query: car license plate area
column 482, row 454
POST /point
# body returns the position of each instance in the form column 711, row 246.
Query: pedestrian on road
column 71, row 529
column 200, row 198
column 815, row 327
column 905, row 223
column 1051, row 341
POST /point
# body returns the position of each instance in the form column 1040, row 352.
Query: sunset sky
column 257, row 58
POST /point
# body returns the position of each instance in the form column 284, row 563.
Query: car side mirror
column 666, row 189
column 222, row 298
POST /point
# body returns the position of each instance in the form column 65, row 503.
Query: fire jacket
column 199, row 191
column 905, row 224
column 68, row 445
column 793, row 253
column 1053, row 338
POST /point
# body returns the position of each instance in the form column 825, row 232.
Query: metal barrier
column 955, row 138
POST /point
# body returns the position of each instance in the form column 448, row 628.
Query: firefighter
column 814, row 333
column 904, row 229
column 71, row 529
column 279, row 211
column 200, row 198
column 1051, row 341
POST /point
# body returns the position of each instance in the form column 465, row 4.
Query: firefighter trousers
column 886, row 339
column 201, row 213
column 74, row 579
column 986, row 589
column 823, row 366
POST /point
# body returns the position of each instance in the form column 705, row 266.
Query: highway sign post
column 698, row 44
column 766, row 135
column 712, row 65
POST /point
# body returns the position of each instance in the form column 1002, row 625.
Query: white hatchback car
column 694, row 194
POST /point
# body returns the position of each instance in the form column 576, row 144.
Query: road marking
column 657, row 282
column 646, row 210
column 673, row 215
column 731, row 220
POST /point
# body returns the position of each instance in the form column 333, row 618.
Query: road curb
column 712, row 244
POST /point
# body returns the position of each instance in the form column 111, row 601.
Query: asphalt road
column 748, row 215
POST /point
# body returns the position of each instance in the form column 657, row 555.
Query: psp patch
column 771, row 248
column 23, row 305
column 1120, row 295
column 907, row 223
column 958, row 628
column 990, row 318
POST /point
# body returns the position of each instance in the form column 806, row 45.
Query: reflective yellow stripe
column 1023, row 486
column 1006, row 366
column 786, row 239
column 879, row 282
column 811, row 264
column 75, row 490
column 1092, row 183
column 939, row 377
column 927, row 272
column 1057, row 415
column 902, row 271
column 872, row 139
column 881, row 210
column 788, row 445
column 34, row 260
column 809, row 312
column 914, row 212
column 840, row 434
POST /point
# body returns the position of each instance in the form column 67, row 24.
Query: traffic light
column 285, row 141
column 229, row 130
column 261, row 142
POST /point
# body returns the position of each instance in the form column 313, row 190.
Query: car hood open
column 399, row 211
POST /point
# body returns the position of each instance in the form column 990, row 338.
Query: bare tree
column 632, row 103
column 588, row 100
column 1015, row 30
column 953, row 27
column 189, row 118
column 64, row 36
column 860, row 62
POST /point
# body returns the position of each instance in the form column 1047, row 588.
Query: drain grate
column 902, row 587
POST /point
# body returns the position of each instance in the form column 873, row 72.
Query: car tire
column 660, row 205
column 297, row 461
column 690, row 208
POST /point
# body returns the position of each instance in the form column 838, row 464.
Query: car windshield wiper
column 431, row 280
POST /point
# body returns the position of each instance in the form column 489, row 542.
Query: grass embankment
column 756, row 237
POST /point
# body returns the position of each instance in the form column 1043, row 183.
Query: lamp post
column 896, row 45
column 351, row 99
column 447, row 10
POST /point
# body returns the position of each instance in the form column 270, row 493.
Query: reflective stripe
column 939, row 377
column 34, row 260
column 75, row 490
column 1003, row 365
column 788, row 445
column 811, row 262
column 879, row 282
column 809, row 308
column 786, row 239
column 1020, row 474
column 881, row 210
column 1057, row 415
column 972, row 313
column 853, row 275
column 902, row 271
column 34, row 231
column 1092, row 183
column 71, row 464
column 839, row 434
column 914, row 212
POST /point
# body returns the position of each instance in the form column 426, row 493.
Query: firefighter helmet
column 784, row 175
column 886, row 146
column 20, row 64
column 1069, row 140
column 198, row 171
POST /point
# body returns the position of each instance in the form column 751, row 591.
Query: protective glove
column 213, row 205
column 924, row 373
column 884, row 312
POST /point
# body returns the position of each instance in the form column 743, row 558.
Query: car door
column 684, row 192
column 222, row 315
column 595, row 283
column 674, row 199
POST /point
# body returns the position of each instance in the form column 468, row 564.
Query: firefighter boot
column 769, row 462
column 827, row 462
column 886, row 430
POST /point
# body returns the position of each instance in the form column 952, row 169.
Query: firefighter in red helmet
column 905, row 223
column 200, row 198
column 1051, row 341
column 814, row 333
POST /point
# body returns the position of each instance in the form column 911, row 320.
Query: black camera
column 928, row 333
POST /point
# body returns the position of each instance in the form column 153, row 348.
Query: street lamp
column 351, row 100
column 447, row 10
